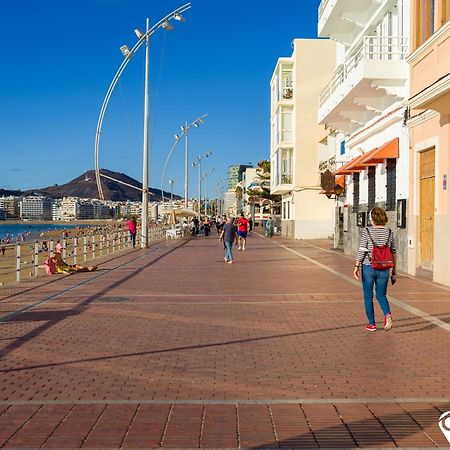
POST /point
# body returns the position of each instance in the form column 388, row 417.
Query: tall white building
column 365, row 99
column 295, row 86
column 70, row 208
column 36, row 208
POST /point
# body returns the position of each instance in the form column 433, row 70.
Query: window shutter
column 356, row 192
column 391, row 185
column 371, row 193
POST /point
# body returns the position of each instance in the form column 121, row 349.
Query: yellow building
column 295, row 87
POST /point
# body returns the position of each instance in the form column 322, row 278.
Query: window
column 342, row 147
column 355, row 192
column 371, row 188
column 286, row 166
column 425, row 13
column 391, row 184
column 286, row 125
column 287, row 85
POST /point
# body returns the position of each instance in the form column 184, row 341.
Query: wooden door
column 427, row 187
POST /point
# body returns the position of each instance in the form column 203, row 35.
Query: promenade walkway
column 171, row 347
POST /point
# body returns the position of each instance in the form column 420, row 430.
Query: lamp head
column 167, row 26
column 196, row 124
column 338, row 190
column 139, row 33
column 125, row 51
column 179, row 17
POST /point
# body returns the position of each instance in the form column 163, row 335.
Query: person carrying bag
column 374, row 262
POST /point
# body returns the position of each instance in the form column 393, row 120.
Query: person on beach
column 377, row 235
column 59, row 246
column 242, row 225
column 63, row 267
column 228, row 235
column 132, row 228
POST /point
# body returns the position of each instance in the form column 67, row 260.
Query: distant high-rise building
column 36, row 208
column 235, row 175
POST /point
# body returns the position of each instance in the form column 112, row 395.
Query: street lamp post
column 144, row 38
column 205, row 176
column 184, row 131
column 171, row 192
column 144, row 215
column 198, row 162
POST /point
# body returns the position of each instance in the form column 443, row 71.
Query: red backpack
column 382, row 257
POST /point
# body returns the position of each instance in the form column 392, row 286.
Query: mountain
column 85, row 186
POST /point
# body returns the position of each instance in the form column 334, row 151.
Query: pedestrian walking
column 242, row 225
column 250, row 225
column 375, row 259
column 269, row 227
column 132, row 228
column 229, row 236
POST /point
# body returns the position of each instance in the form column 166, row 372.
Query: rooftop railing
column 371, row 48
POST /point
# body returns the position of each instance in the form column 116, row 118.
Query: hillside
column 85, row 186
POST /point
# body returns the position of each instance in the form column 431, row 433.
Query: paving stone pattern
column 170, row 347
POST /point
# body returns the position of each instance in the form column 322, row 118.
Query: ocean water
column 17, row 229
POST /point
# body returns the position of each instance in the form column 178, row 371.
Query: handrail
column 370, row 48
column 322, row 6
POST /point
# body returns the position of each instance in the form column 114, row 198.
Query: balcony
column 343, row 20
column 372, row 78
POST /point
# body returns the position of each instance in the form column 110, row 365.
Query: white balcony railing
column 371, row 48
column 322, row 6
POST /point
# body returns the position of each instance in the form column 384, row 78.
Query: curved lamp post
column 198, row 162
column 205, row 176
column 184, row 132
column 128, row 54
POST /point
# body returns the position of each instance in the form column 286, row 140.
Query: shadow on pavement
column 54, row 317
column 407, row 429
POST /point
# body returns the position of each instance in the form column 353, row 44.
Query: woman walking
column 371, row 271
column 132, row 228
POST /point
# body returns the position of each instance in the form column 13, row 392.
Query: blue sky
column 59, row 56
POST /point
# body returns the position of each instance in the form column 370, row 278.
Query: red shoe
column 371, row 327
column 388, row 322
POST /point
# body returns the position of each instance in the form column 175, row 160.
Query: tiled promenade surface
column 171, row 347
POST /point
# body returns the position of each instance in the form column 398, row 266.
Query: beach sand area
column 83, row 229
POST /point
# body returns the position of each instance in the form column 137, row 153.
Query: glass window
column 342, row 147
column 286, row 125
column 286, row 165
column 425, row 19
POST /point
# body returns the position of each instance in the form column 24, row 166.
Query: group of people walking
column 234, row 230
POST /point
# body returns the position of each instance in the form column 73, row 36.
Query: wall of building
column 313, row 213
column 352, row 235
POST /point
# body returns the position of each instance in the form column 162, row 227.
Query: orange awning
column 390, row 150
column 351, row 167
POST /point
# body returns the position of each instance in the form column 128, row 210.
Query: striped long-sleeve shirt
column 380, row 236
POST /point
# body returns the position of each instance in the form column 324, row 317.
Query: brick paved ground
column 171, row 347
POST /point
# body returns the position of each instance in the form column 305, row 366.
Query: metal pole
column 206, row 195
column 171, row 193
column 200, row 187
column 144, row 224
column 186, row 165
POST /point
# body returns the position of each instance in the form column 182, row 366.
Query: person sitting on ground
column 65, row 268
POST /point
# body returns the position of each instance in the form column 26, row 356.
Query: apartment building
column 35, row 208
column 429, row 126
column 10, row 207
column 70, row 208
column 365, row 100
column 295, row 86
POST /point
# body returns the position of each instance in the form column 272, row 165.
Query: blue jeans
column 228, row 253
column 380, row 278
